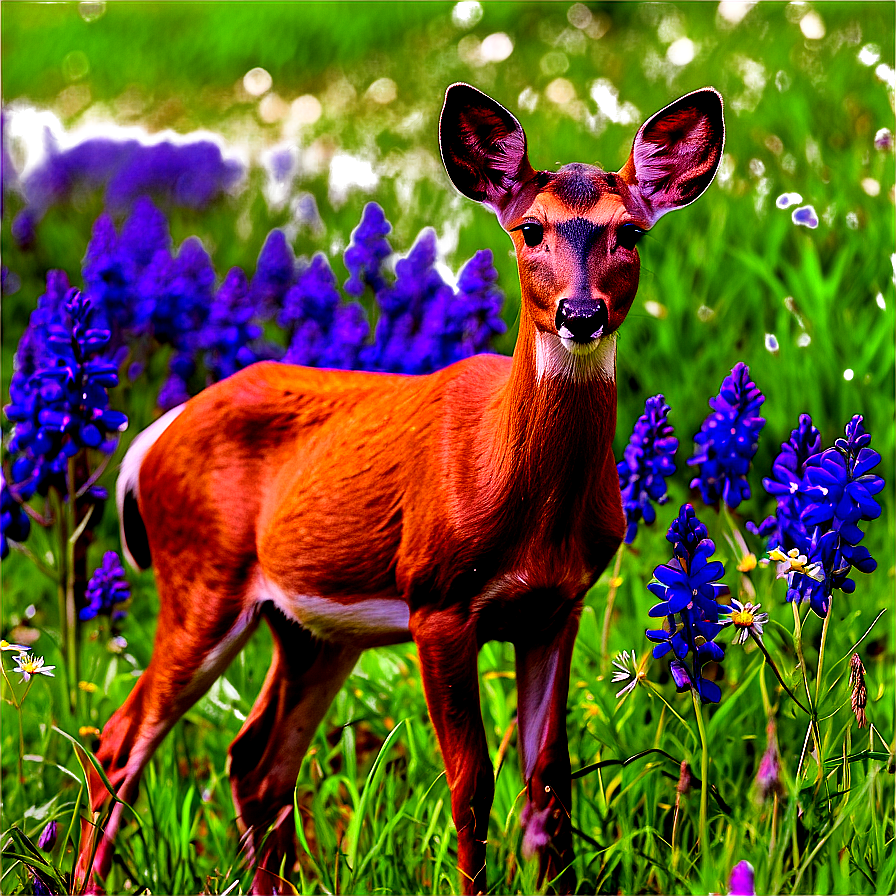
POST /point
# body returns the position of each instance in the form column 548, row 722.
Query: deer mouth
column 576, row 347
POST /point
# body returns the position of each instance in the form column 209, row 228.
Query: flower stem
column 704, row 779
column 813, row 715
column 774, row 669
column 611, row 598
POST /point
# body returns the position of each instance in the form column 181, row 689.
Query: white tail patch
column 129, row 475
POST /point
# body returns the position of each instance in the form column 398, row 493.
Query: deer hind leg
column 265, row 758
column 190, row 652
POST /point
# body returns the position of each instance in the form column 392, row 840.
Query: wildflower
column 883, row 140
column 305, row 210
column 107, row 590
column 785, row 200
column 474, row 318
column 16, row 648
column 859, row 697
column 274, row 274
column 768, row 777
column 690, row 605
column 746, row 620
column 88, row 687
column 626, row 671
column 282, row 165
column 29, row 665
column 747, row 563
column 741, row 881
column 15, row 524
column 86, row 730
column 367, row 251
column 47, row 839
column 647, row 461
column 728, row 440
column 784, row 529
column 794, row 561
column 805, row 216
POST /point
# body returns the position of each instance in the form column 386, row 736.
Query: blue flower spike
column 690, row 604
column 728, row 439
column 107, row 590
column 647, row 462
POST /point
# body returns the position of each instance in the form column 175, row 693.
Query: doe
column 351, row 510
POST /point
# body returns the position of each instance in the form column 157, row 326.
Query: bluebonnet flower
column 367, row 251
column 837, row 491
column 15, row 524
column 191, row 172
column 230, row 329
column 64, row 406
column 728, row 440
column 785, row 529
column 24, row 228
column 647, row 461
column 48, row 835
column 305, row 210
column 107, row 590
column 474, row 317
column 282, row 165
column 690, row 605
column 414, row 313
column 308, row 312
column 274, row 274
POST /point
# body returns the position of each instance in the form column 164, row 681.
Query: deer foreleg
column 448, row 650
column 542, row 672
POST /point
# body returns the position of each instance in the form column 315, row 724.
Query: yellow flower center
column 743, row 618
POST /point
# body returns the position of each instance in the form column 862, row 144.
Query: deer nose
column 581, row 319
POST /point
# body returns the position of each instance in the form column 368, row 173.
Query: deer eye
column 532, row 233
column 628, row 235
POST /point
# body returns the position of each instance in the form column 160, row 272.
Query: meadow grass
column 372, row 805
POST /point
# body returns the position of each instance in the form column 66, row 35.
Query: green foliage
column 372, row 805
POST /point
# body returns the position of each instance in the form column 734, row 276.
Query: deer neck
column 552, row 425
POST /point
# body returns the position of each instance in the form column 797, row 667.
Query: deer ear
column 676, row 153
column 483, row 147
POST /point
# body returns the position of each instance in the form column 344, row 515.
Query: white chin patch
column 558, row 356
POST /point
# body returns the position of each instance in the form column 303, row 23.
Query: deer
column 351, row 510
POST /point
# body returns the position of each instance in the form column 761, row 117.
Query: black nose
column 581, row 319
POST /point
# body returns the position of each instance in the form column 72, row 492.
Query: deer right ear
column 483, row 147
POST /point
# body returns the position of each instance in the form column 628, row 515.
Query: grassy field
column 808, row 90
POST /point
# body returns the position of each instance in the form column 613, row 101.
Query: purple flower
column 728, row 440
column 63, row 407
column 785, row 529
column 367, row 251
column 741, row 880
column 47, row 839
column 647, row 461
column 274, row 274
column 305, row 210
column 282, row 165
column 805, row 216
column 474, row 317
column 690, row 605
column 107, row 590
column 15, row 524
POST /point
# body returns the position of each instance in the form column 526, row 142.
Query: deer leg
column 304, row 677
column 542, row 673
column 190, row 652
column 448, row 649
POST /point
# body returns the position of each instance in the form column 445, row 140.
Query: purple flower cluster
column 189, row 174
column 367, row 251
column 820, row 538
column 689, row 594
column 647, row 462
column 107, row 590
column 59, row 393
column 15, row 524
column 728, row 440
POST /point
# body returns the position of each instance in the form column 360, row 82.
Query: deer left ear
column 676, row 153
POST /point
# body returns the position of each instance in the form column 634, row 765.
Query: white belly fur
column 369, row 620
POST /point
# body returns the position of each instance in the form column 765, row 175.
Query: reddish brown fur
column 482, row 498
